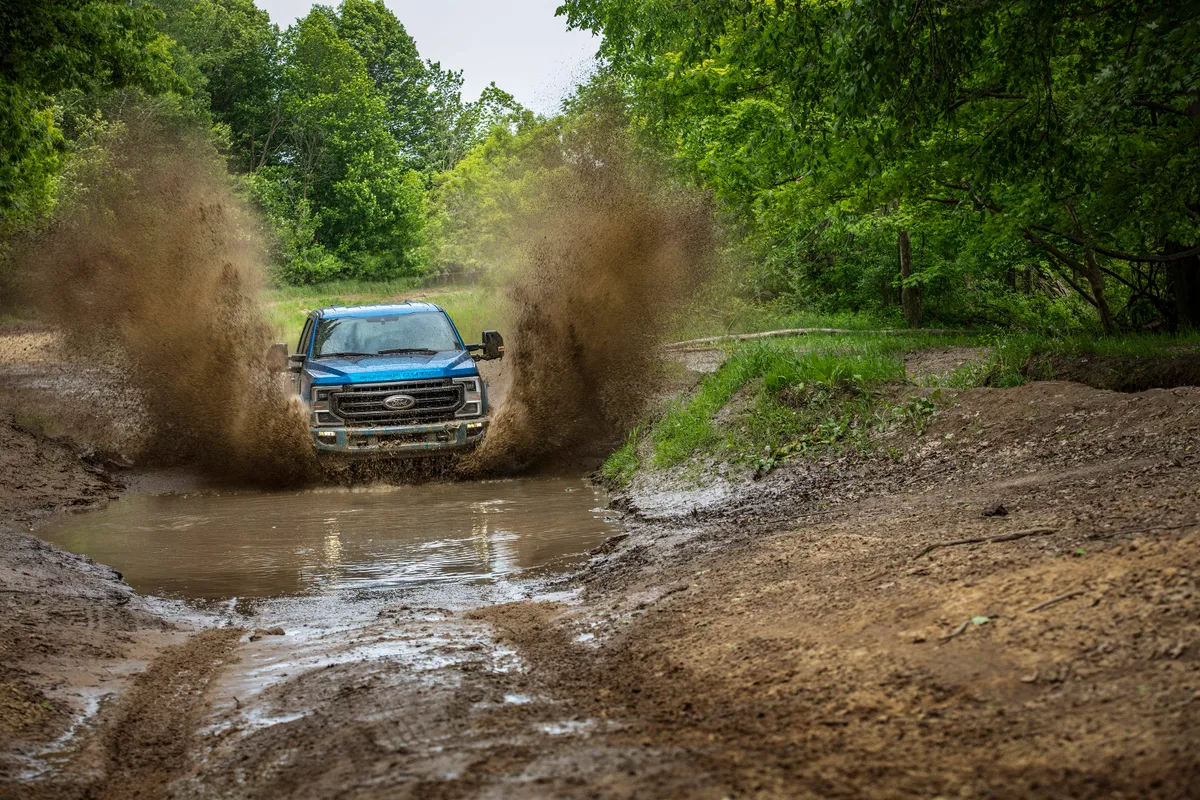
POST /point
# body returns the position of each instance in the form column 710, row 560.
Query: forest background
column 1024, row 166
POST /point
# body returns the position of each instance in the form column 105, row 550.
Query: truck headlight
column 322, row 405
column 472, row 396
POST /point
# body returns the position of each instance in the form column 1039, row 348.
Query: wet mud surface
column 790, row 637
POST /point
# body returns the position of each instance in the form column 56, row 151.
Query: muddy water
column 212, row 544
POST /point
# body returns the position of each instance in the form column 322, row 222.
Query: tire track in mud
column 146, row 743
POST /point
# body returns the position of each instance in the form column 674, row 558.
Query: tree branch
column 1066, row 259
column 1150, row 104
column 1117, row 254
column 992, row 95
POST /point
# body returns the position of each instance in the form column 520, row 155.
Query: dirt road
column 796, row 637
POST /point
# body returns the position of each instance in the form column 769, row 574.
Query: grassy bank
column 474, row 308
column 776, row 399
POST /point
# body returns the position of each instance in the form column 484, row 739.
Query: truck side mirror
column 277, row 357
column 493, row 345
column 296, row 362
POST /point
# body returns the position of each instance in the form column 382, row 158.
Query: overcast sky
column 519, row 44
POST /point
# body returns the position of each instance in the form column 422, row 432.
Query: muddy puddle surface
column 221, row 544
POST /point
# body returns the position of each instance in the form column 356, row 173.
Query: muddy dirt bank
column 71, row 631
column 792, row 637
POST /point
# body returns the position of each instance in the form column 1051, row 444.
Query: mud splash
column 156, row 256
column 607, row 257
column 156, row 259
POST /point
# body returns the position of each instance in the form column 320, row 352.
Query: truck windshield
column 397, row 333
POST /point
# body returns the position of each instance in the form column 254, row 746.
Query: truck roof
column 407, row 307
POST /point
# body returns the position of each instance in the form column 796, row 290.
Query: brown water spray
column 156, row 254
column 606, row 262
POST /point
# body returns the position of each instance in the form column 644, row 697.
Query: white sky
column 519, row 44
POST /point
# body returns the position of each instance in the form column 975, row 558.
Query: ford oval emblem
column 399, row 402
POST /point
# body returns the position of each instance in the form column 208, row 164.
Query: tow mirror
column 492, row 347
column 296, row 362
column 277, row 357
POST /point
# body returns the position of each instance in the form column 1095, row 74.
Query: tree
column 234, row 49
column 1048, row 125
column 346, row 163
column 50, row 46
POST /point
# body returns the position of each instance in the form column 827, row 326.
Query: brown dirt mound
column 42, row 475
column 1118, row 373
column 939, row 362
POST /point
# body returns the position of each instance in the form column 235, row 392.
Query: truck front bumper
column 399, row 441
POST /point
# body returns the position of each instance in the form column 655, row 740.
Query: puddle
column 213, row 544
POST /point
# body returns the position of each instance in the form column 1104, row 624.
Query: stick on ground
column 1054, row 600
column 742, row 337
column 1004, row 537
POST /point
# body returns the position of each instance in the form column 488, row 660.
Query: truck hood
column 385, row 369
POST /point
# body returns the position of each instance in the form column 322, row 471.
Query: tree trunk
column 1095, row 279
column 910, row 296
column 1093, row 275
column 1183, row 276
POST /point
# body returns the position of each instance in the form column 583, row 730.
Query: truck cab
column 391, row 380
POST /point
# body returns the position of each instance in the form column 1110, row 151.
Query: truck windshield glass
column 368, row 336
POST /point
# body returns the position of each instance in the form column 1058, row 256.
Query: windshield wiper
column 343, row 355
column 399, row 350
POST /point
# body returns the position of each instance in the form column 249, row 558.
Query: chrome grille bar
column 362, row 405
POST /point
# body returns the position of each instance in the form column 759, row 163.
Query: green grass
column 618, row 469
column 473, row 308
column 718, row 316
column 820, row 395
column 808, row 394
column 797, row 396
column 1129, row 345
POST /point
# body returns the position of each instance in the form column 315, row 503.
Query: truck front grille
column 362, row 405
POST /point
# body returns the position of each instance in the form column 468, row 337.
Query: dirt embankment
column 73, row 636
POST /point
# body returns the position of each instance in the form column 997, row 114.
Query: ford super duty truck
column 390, row 380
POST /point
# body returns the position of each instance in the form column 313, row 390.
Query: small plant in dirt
column 917, row 409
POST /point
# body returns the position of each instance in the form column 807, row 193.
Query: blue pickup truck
column 391, row 380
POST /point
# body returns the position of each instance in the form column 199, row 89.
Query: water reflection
column 214, row 545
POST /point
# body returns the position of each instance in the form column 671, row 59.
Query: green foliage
column 475, row 206
column 1044, row 153
column 336, row 125
column 48, row 47
column 357, row 124
column 618, row 469
column 231, row 50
